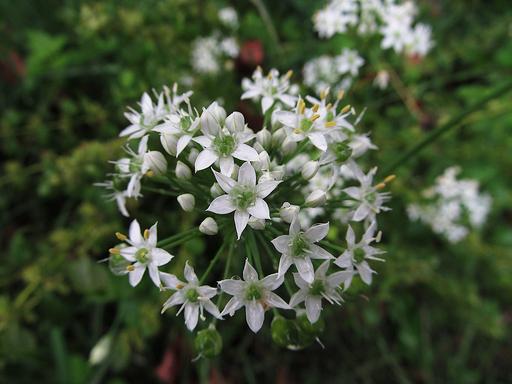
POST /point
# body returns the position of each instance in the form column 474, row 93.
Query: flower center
column 299, row 245
column 371, row 197
column 342, row 152
column 317, row 288
column 192, row 295
column 185, row 123
column 359, row 255
column 243, row 196
column 224, row 145
column 304, row 126
column 142, row 255
column 135, row 165
column 253, row 292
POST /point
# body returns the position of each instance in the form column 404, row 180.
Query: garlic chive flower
column 298, row 248
column 245, row 197
column 223, row 140
column 357, row 254
column 254, row 294
column 144, row 121
column 322, row 287
column 143, row 254
column 192, row 297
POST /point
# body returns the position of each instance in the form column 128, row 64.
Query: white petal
column 259, row 209
column 241, row 220
column 317, row 232
column 266, row 103
column 232, row 286
column 189, row 273
column 212, row 308
column 235, row 122
column 255, row 315
column 265, row 188
column 365, row 272
column 247, row 175
column 351, row 237
column 134, row 233
column 295, row 226
column 232, row 306
column 169, row 280
column 191, row 315
column 221, row 205
column 128, row 253
column 206, row 158
column 207, row 292
column 153, row 274
column 345, row 260
column 175, row 299
column 337, row 278
column 318, row 141
column 152, row 239
column 313, row 308
column 227, row 165
column 305, row 268
column 160, row 256
column 204, row 141
column 322, row 269
column 297, row 298
column 361, row 212
column 225, row 182
column 245, row 152
column 135, row 276
column 281, row 243
column 284, row 264
column 316, row 252
column 272, row 282
column 249, row 272
column 182, row 143
column 276, row 301
column 300, row 282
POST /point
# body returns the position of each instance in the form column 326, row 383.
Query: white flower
column 223, row 140
column 209, row 226
column 206, row 55
column 367, row 201
column 288, row 212
column 177, row 131
column 349, row 62
column 187, row 202
column 244, row 197
column 192, row 297
column 322, row 287
column 143, row 253
column 382, row 79
column 119, row 196
column 357, row 254
column 230, row 47
column 269, row 88
column 298, row 247
column 420, row 41
column 254, row 294
column 144, row 121
column 228, row 17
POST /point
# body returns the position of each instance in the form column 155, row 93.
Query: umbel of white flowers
column 262, row 194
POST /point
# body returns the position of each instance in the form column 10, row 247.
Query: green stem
column 267, row 20
column 212, row 263
column 453, row 122
column 178, row 239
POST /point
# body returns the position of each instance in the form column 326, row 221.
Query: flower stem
column 453, row 122
column 179, row 238
column 213, row 262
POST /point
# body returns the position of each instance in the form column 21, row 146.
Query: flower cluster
column 392, row 20
column 209, row 53
column 271, row 194
column 452, row 207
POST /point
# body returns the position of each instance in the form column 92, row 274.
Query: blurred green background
column 436, row 313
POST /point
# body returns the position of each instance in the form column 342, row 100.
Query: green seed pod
column 208, row 342
column 312, row 330
column 118, row 264
column 286, row 333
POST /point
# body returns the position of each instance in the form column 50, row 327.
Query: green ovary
column 224, row 145
column 142, row 255
column 359, row 255
column 317, row 288
column 192, row 295
column 243, row 196
column 253, row 292
column 299, row 245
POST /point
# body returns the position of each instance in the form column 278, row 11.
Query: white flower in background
column 230, row 47
column 209, row 226
column 367, row 201
column 452, row 206
column 298, row 248
column 320, row 73
column 223, row 140
column 322, row 287
column 269, row 89
column 206, row 55
column 244, row 197
column 381, row 80
column 138, row 164
column 349, row 62
column 336, row 17
column 192, row 297
column 143, row 253
column 228, row 17
column 144, row 121
column 115, row 194
column 357, row 255
column 420, row 41
column 254, row 294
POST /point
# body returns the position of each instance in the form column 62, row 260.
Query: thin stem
column 190, row 233
column 453, row 122
column 267, row 20
column 212, row 263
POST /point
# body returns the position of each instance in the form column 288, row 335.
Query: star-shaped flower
column 254, row 294
column 144, row 121
column 192, row 297
column 143, row 253
column 299, row 248
column 244, row 197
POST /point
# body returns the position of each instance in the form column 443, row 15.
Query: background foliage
column 436, row 312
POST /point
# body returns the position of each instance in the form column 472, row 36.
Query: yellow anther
column 328, row 106
column 130, row 268
column 114, row 251
column 346, row 108
column 289, row 74
column 179, row 286
column 301, row 106
column 341, row 94
column 324, row 93
column 389, row 179
column 269, row 76
column 146, row 234
column 315, row 108
column 380, row 186
column 330, row 124
column 150, row 173
column 315, row 117
column 121, row 236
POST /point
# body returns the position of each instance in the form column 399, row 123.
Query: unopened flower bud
column 316, row 198
column 192, row 156
column 101, row 350
column 170, row 143
column 278, row 136
column 208, row 342
column 117, row 264
column 263, row 161
column 288, row 212
column 264, row 137
column 256, row 224
column 154, row 161
column 258, row 147
column 288, row 146
column 182, row 171
column 209, row 226
column 212, row 117
column 187, row 202
column 216, row 190
column 310, row 169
